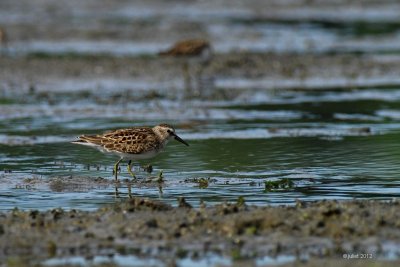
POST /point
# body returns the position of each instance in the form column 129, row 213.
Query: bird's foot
column 159, row 178
column 133, row 176
column 131, row 173
column 116, row 170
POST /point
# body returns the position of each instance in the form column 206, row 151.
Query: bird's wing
column 186, row 48
column 132, row 140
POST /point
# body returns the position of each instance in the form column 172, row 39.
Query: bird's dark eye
column 168, row 131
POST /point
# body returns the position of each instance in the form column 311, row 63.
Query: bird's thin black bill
column 181, row 140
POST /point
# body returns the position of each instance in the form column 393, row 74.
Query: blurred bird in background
column 196, row 55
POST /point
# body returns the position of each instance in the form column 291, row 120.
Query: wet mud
column 309, row 231
column 54, row 78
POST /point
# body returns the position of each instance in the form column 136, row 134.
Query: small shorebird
column 192, row 50
column 190, row 47
column 132, row 143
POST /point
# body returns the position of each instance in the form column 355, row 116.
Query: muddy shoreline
column 40, row 73
column 241, row 233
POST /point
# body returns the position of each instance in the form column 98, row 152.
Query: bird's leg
column 160, row 191
column 186, row 77
column 116, row 192
column 199, row 80
column 160, row 177
column 205, row 83
column 116, row 169
column 129, row 190
column 130, row 170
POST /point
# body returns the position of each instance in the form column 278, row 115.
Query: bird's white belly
column 128, row 156
column 146, row 155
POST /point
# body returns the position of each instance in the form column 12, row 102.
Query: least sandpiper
column 197, row 51
column 132, row 143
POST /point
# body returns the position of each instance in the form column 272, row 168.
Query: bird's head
column 167, row 132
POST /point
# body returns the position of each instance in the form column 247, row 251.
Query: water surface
column 331, row 144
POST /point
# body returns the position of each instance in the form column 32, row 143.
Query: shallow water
column 331, row 144
column 123, row 260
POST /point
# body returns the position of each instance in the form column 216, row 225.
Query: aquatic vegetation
column 201, row 181
column 284, row 183
column 236, row 254
column 241, row 201
column 181, row 253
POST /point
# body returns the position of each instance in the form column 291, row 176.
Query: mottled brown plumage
column 193, row 47
column 132, row 143
column 132, row 140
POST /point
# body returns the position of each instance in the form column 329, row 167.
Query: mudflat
column 343, row 233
